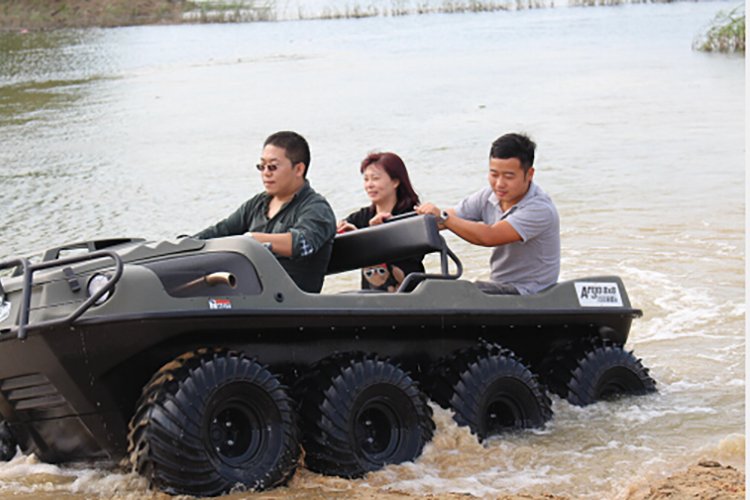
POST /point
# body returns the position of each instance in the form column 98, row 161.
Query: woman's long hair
column 394, row 166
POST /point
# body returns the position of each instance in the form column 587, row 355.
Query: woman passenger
column 387, row 184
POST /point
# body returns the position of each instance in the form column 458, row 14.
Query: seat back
column 401, row 239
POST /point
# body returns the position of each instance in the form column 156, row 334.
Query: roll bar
column 28, row 269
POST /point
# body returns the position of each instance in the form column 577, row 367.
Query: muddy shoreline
column 706, row 480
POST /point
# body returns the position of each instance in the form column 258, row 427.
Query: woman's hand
column 427, row 208
column 380, row 218
column 345, row 227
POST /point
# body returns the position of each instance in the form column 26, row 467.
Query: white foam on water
column 26, row 474
column 490, row 482
column 739, row 309
column 108, row 483
column 23, row 465
column 643, row 415
column 730, row 449
column 682, row 386
column 735, row 382
column 691, row 337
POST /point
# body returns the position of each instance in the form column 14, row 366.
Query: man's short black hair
column 514, row 146
column 295, row 146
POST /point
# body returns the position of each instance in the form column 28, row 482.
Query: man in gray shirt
column 289, row 217
column 514, row 216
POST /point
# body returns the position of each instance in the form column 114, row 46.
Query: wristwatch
column 443, row 216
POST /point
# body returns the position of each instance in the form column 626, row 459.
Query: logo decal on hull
column 594, row 294
column 4, row 310
column 219, row 304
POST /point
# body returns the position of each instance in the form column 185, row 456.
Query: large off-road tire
column 490, row 391
column 7, row 442
column 606, row 372
column 213, row 420
column 361, row 413
column 595, row 370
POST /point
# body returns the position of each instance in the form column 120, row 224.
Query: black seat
column 407, row 238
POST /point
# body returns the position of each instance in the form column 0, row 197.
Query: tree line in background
column 725, row 34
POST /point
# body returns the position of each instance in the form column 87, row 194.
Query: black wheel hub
column 235, row 433
column 377, row 431
column 615, row 382
column 502, row 414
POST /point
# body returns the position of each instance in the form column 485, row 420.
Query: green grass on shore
column 52, row 14
column 726, row 34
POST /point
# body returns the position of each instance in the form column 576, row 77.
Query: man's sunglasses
column 271, row 167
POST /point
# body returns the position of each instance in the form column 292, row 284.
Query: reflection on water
column 153, row 131
column 43, row 56
column 24, row 102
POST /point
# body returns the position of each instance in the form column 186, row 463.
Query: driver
column 289, row 217
column 514, row 217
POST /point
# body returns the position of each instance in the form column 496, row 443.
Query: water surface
column 153, row 132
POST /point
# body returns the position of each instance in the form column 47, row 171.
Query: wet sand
column 707, row 480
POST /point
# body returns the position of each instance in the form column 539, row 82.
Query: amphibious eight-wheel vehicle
column 204, row 366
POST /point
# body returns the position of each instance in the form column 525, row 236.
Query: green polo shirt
column 309, row 218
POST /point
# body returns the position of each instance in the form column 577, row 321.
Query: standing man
column 289, row 217
column 514, row 216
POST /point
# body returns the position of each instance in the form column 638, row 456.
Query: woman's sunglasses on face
column 370, row 272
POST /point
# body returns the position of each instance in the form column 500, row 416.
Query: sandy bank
column 707, row 480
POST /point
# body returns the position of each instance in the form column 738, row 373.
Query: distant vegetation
column 266, row 10
column 445, row 7
column 229, row 11
column 51, row 14
column 598, row 3
column 726, row 34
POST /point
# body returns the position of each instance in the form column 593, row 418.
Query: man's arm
column 477, row 233
column 281, row 243
column 314, row 227
column 234, row 224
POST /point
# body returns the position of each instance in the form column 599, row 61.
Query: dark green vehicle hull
column 68, row 388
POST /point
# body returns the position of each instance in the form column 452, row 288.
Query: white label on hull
column 596, row 294
column 4, row 310
column 219, row 304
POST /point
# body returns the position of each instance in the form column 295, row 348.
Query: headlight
column 96, row 283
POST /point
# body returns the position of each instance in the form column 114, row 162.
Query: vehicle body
column 95, row 372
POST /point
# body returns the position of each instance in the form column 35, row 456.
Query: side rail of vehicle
column 88, row 246
column 403, row 237
column 27, row 269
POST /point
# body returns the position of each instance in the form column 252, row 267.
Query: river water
column 154, row 131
